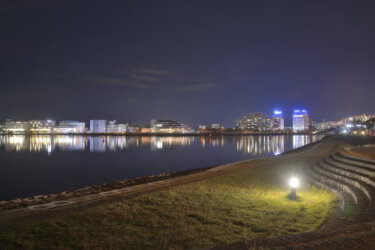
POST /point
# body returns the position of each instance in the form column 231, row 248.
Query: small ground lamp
column 294, row 184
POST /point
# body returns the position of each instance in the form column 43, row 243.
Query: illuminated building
column 277, row 121
column 132, row 129
column 326, row 125
column 80, row 127
column 145, row 130
column 98, row 126
column 169, row 126
column 122, row 128
column 41, row 126
column 257, row 122
column 215, row 126
column 112, row 127
column 70, row 127
column 2, row 128
column 300, row 120
column 16, row 127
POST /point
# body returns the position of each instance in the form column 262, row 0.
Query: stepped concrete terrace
column 350, row 175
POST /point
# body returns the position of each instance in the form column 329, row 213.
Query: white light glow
column 294, row 182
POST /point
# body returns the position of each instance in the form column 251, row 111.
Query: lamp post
column 294, row 184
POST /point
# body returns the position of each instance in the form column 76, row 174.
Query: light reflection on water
column 253, row 145
column 32, row 165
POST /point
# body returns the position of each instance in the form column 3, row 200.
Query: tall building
column 300, row 120
column 277, row 121
column 98, row 126
column 257, row 122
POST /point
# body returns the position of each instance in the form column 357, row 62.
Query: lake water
column 32, row 165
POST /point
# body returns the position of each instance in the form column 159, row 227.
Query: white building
column 300, row 120
column 98, row 126
column 70, row 127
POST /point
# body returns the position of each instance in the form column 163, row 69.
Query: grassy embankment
column 244, row 204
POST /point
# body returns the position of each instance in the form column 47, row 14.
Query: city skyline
column 274, row 113
column 195, row 61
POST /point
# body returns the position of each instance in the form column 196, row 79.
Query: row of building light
column 95, row 126
column 256, row 122
column 260, row 122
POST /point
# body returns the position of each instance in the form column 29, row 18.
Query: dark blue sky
column 193, row 61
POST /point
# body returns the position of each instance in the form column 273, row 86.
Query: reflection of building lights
column 16, row 139
column 159, row 145
column 257, row 145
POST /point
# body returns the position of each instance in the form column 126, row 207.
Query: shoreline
column 94, row 189
column 35, row 200
column 167, row 134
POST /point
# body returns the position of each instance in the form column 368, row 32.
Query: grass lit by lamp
column 240, row 205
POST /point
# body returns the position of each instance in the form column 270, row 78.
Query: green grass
column 246, row 204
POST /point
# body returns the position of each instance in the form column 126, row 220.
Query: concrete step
column 333, row 183
column 349, row 210
column 343, row 157
column 347, row 171
column 336, row 161
column 344, row 199
column 356, row 157
column 366, row 189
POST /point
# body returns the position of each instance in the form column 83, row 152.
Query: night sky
column 194, row 61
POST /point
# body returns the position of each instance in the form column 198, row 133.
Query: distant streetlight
column 294, row 184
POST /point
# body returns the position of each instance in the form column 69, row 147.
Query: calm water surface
column 31, row 165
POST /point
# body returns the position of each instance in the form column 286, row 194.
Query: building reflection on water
column 256, row 145
column 253, row 145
